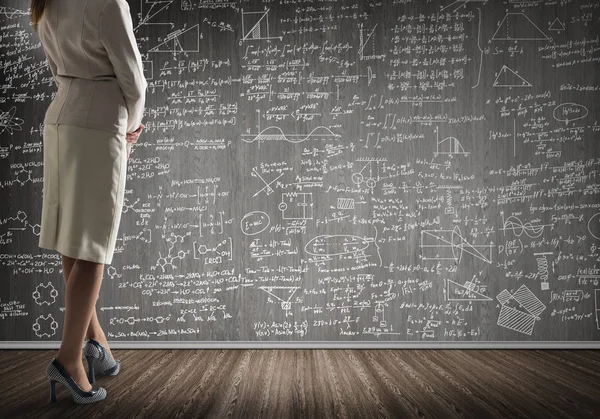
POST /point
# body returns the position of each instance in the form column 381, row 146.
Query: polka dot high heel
column 56, row 372
column 99, row 360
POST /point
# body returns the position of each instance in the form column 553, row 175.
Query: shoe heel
column 104, row 363
column 57, row 372
column 91, row 377
column 52, row 391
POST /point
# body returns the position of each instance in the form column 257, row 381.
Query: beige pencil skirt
column 84, row 186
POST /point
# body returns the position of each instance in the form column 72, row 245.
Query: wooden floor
column 317, row 383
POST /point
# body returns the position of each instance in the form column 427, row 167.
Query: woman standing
column 88, row 128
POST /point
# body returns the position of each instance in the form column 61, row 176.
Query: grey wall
column 382, row 172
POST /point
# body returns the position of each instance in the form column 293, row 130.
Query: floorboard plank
column 317, row 383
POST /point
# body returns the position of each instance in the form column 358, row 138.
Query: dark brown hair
column 37, row 9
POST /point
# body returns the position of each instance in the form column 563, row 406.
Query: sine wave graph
column 276, row 134
column 518, row 227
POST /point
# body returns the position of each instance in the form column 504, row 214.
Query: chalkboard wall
column 341, row 172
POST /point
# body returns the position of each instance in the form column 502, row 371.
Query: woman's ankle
column 70, row 365
column 96, row 336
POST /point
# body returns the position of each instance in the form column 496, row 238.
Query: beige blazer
column 97, row 67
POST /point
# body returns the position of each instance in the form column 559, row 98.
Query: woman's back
column 92, row 52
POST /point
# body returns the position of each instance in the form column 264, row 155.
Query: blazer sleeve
column 117, row 37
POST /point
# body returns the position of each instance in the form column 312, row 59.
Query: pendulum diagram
column 369, row 174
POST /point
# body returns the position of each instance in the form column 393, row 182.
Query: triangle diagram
column 471, row 249
column 281, row 293
column 509, row 78
column 557, row 25
column 182, row 40
column 463, row 293
column 518, row 27
column 514, row 304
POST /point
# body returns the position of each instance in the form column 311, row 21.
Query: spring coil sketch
column 542, row 264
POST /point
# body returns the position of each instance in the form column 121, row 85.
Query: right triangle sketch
column 509, row 78
column 182, row 40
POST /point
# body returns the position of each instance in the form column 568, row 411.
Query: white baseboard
column 318, row 345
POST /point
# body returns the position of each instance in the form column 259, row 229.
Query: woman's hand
column 132, row 137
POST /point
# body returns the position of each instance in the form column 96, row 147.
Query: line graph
column 368, row 40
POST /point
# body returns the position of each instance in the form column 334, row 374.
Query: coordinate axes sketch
column 367, row 46
column 449, row 146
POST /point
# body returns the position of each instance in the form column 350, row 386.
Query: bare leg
column 83, row 286
column 94, row 329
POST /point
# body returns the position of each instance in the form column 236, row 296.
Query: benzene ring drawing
column 37, row 295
